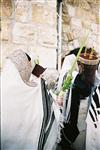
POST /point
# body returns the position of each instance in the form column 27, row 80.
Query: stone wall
column 78, row 17
column 29, row 25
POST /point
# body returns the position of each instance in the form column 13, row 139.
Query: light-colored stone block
column 6, row 8
column 95, row 45
column 64, row 47
column 38, row 1
column 24, row 33
column 47, row 36
column 95, row 28
column 75, row 23
column 79, row 33
column 71, row 10
column 6, row 49
column 43, row 14
column 90, row 43
column 76, row 33
column 47, row 57
column 70, row 46
column 86, row 15
column 65, row 28
column 52, row 3
column 66, row 18
column 5, row 30
column 22, row 12
column 76, row 43
column 85, row 5
column 94, row 38
column 93, row 1
column 98, row 18
column 64, row 37
column 86, row 24
column 19, row 46
column 70, row 36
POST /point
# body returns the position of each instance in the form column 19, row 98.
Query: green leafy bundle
column 68, row 80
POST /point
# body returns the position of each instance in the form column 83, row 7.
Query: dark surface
column 38, row 70
column 70, row 131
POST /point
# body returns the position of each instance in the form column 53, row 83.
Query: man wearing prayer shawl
column 21, row 105
column 26, row 107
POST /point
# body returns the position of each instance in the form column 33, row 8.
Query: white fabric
column 55, row 105
column 22, row 63
column 92, row 132
column 21, row 111
column 57, row 112
column 92, row 136
column 34, row 57
column 52, row 137
column 67, row 64
column 97, row 80
column 50, row 75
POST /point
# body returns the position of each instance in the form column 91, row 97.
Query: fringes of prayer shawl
column 48, row 118
column 60, row 123
column 65, row 111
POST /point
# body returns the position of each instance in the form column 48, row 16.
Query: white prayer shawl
column 28, row 121
column 22, row 63
column 21, row 111
column 93, row 123
column 60, row 118
column 65, row 68
column 50, row 131
column 68, row 61
column 48, row 134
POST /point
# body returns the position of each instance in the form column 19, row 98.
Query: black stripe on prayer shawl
column 98, row 112
column 49, row 128
column 40, row 143
column 66, row 104
column 48, row 103
column 94, row 111
column 99, row 87
column 92, row 117
column 46, row 112
column 96, row 99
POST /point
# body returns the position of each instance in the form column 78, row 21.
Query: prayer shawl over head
column 27, row 117
column 93, row 122
column 19, row 58
column 21, row 109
